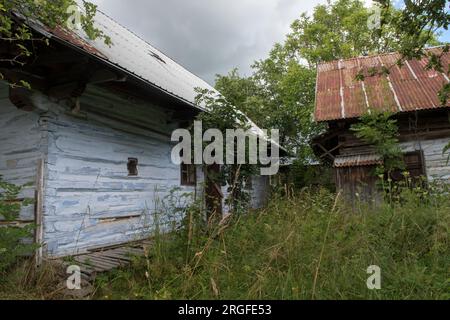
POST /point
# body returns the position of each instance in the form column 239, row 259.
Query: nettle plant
column 12, row 237
column 15, row 16
column 381, row 131
column 222, row 115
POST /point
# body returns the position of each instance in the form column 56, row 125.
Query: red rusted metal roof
column 410, row 87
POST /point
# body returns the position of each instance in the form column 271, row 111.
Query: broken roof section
column 339, row 95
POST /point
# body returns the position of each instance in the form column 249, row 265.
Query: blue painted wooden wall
column 89, row 199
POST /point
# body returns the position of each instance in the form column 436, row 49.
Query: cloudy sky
column 209, row 37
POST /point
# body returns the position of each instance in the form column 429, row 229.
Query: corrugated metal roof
column 357, row 160
column 340, row 96
column 134, row 55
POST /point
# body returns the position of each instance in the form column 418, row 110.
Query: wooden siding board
column 436, row 164
column 260, row 191
column 20, row 149
column 90, row 199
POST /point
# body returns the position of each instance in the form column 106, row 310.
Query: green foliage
column 280, row 95
column 281, row 252
column 223, row 115
column 337, row 30
column 415, row 26
column 381, row 131
column 301, row 175
column 11, row 238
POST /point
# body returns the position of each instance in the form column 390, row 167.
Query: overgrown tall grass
column 308, row 246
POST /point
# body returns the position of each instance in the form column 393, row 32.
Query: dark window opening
column 188, row 176
column 132, row 167
column 414, row 165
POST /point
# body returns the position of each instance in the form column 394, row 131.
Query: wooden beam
column 51, row 59
column 39, row 215
column 67, row 90
column 326, row 152
column 14, row 76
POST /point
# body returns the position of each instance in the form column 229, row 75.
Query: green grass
column 310, row 246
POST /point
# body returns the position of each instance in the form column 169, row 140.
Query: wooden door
column 213, row 194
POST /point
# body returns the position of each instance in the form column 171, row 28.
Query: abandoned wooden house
column 410, row 92
column 94, row 137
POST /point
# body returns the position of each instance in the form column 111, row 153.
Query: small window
column 188, row 176
column 132, row 167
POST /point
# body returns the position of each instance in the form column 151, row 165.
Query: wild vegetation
column 12, row 243
column 306, row 246
column 381, row 131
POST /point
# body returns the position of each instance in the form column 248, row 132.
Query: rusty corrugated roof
column 410, row 87
column 357, row 160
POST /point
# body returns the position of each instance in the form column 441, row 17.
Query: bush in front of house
column 12, row 235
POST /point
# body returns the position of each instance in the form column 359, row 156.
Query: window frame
column 132, row 167
column 188, row 175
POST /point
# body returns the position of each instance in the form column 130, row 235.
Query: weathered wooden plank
column 93, row 263
column 115, row 255
column 39, row 218
column 19, row 149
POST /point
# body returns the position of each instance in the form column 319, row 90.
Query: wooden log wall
column 22, row 145
column 428, row 132
column 90, row 200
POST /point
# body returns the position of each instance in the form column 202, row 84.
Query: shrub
column 12, row 238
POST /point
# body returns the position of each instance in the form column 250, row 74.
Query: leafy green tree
column 223, row 115
column 338, row 30
column 281, row 91
column 243, row 93
column 381, row 131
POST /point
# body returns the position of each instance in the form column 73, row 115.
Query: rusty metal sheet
column 357, row 160
column 406, row 88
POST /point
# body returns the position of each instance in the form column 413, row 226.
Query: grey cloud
column 209, row 37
